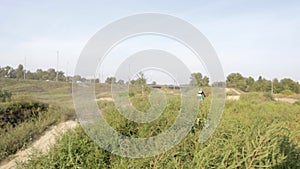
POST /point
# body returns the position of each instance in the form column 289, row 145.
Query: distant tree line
column 140, row 80
column 249, row 84
column 234, row 80
column 197, row 79
column 19, row 73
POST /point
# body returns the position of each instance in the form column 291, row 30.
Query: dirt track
column 236, row 97
column 289, row 100
column 42, row 144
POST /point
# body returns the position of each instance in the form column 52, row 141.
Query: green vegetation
column 23, row 119
column 15, row 137
column 56, row 93
column 13, row 114
column 5, row 96
column 255, row 132
column 197, row 79
column 19, row 73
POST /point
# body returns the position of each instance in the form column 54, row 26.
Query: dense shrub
column 268, row 95
column 16, row 113
column 5, row 96
column 287, row 92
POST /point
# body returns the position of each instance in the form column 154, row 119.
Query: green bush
column 297, row 103
column 16, row 113
column 268, row 95
column 5, row 96
column 287, row 92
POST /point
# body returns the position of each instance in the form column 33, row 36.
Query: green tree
column 289, row 84
column 262, row 85
column 249, row 83
column 236, row 80
column 110, row 80
column 121, row 82
column 9, row 72
column 2, row 72
column 196, row 79
column 41, row 75
column 141, row 80
column 77, row 78
column 276, row 86
column 61, row 76
column 29, row 75
column 205, row 81
column 51, row 74
column 19, row 72
column 5, row 95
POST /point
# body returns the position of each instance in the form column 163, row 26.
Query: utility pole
column 129, row 74
column 25, row 68
column 272, row 86
column 174, row 84
column 67, row 71
column 57, row 65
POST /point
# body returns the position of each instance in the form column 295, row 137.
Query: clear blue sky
column 258, row 37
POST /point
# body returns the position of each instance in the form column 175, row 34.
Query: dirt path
column 105, row 99
column 236, row 97
column 42, row 144
column 289, row 100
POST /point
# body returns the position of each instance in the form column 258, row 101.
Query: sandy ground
column 105, row 99
column 237, row 97
column 289, row 100
column 232, row 97
column 42, row 144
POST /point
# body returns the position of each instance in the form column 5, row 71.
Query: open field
column 255, row 132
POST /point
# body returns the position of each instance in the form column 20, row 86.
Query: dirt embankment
column 234, row 97
column 289, row 100
column 42, row 144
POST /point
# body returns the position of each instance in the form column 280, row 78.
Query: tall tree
column 110, row 80
column 289, row 84
column 20, row 72
column 196, row 79
column 236, row 80
column 276, row 86
column 249, row 83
